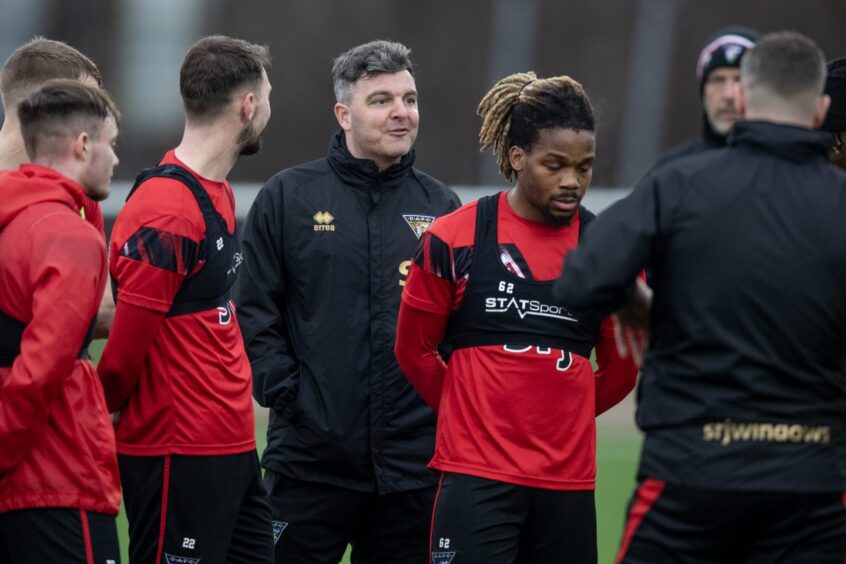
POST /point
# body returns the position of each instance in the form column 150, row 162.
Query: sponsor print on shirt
column 527, row 307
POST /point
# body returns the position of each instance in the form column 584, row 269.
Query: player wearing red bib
column 517, row 399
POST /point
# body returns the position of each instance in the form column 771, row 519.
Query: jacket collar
column 787, row 141
column 364, row 172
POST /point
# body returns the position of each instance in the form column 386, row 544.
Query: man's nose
column 398, row 109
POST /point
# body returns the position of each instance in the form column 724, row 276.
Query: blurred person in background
column 26, row 69
column 327, row 247
column 718, row 74
column 742, row 397
column 174, row 364
column 59, row 484
column 835, row 120
column 518, row 398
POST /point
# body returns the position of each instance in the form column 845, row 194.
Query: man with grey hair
column 743, row 389
column 327, row 247
column 717, row 73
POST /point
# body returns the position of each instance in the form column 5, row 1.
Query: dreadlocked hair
column 515, row 110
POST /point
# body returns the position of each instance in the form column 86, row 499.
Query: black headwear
column 835, row 86
column 724, row 49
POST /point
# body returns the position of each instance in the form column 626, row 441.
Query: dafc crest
column 418, row 223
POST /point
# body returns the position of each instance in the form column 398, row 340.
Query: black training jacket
column 327, row 246
column 709, row 140
column 744, row 383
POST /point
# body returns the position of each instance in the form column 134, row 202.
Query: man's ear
column 823, row 104
column 81, row 146
column 342, row 114
column 740, row 99
column 248, row 106
column 517, row 158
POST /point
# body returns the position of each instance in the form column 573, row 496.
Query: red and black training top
column 175, row 253
column 518, row 398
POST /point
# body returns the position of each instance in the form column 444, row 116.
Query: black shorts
column 481, row 521
column 58, row 535
column 668, row 523
column 314, row 523
column 196, row 509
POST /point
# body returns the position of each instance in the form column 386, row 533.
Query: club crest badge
column 442, row 557
column 732, row 53
column 278, row 527
column 419, row 223
column 174, row 559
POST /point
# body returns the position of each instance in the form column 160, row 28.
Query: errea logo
column 323, row 221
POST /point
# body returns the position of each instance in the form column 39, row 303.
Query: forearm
column 599, row 275
column 615, row 376
column 418, row 335
column 106, row 312
column 129, row 342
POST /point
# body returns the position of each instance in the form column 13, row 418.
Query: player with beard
column 516, row 402
column 175, row 365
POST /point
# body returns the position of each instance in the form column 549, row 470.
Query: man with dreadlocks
column 517, row 400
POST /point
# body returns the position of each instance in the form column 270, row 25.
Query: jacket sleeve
column 599, row 274
column 614, row 377
column 260, row 298
column 65, row 260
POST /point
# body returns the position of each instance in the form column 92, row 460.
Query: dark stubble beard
column 249, row 141
column 555, row 220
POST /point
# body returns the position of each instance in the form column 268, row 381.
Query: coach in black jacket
column 327, row 247
column 743, row 390
column 718, row 72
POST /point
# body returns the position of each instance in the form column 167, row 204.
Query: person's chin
column 251, row 148
column 98, row 195
column 723, row 126
column 558, row 218
column 397, row 150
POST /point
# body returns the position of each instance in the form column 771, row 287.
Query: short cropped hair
column 786, row 65
column 375, row 57
column 34, row 63
column 63, row 108
column 214, row 69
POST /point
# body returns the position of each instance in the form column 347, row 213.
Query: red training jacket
column 57, row 446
